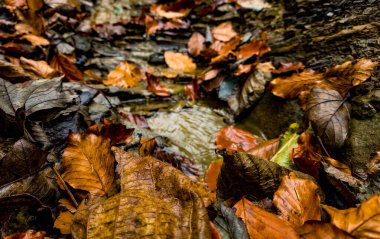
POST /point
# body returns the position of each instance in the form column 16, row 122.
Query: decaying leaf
column 156, row 87
column 196, row 44
column 125, row 75
column 262, row 224
column 289, row 66
column 322, row 230
column 330, row 116
column 212, row 174
column 287, row 142
column 85, row 168
column 224, row 32
column 361, row 222
column 116, row 132
column 179, row 62
column 64, row 221
column 64, row 65
column 39, row 68
column 265, row 150
column 297, row 200
column 373, row 165
column 228, row 224
column 235, row 140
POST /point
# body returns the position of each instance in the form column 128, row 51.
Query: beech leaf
column 262, row 224
column 224, row 32
column 36, row 40
column 287, row 142
column 229, row 225
column 179, row 62
column 196, row 44
column 64, row 65
column 297, row 200
column 39, row 68
column 322, row 230
column 156, row 87
column 235, row 140
column 212, row 174
column 265, row 150
column 330, row 116
column 64, row 221
column 85, row 168
column 125, row 75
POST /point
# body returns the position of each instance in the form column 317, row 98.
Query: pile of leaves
column 75, row 163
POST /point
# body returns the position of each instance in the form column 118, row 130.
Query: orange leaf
column 297, row 200
column 179, row 62
column 265, row 150
column 125, row 75
column 156, row 87
column 39, row 68
column 289, row 66
column 13, row 4
column 196, row 44
column 254, row 47
column 224, row 32
column 235, row 140
column 208, row 74
column 35, row 40
column 243, row 69
column 211, row 177
column 64, row 221
column 224, row 49
column 262, row 224
column 361, row 222
column 88, row 163
column 147, row 146
column 214, row 232
column 322, row 230
column 191, row 89
column 64, row 65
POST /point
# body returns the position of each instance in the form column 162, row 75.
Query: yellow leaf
column 125, row 75
column 64, row 221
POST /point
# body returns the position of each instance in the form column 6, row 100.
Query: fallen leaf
column 307, row 154
column 297, row 200
column 265, row 150
column 243, row 69
column 39, row 68
column 338, row 165
column 373, row 165
column 256, row 5
column 329, row 115
column 214, row 232
column 13, row 72
column 253, row 48
column 228, row 224
column 116, row 132
column 64, row 65
column 224, row 32
column 179, row 62
column 208, row 74
column 287, row 142
column 196, row 44
column 288, row 67
column 34, row 5
column 235, row 140
column 211, row 177
column 322, row 230
column 35, row 40
column 13, row 4
column 85, row 168
column 29, row 234
column 175, row 9
column 63, row 202
column 125, row 75
column 262, row 224
column 63, row 222
column 361, row 222
column 147, row 146
column 191, row 89
column 224, row 49
column 156, row 87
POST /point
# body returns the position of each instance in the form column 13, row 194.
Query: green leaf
column 287, row 142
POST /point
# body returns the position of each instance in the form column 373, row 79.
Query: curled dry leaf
column 262, row 224
column 297, row 200
column 39, row 68
column 86, row 168
column 224, row 32
column 179, row 62
column 212, row 174
column 36, row 40
column 322, row 230
column 125, row 75
column 265, row 150
column 195, row 45
column 64, row 65
column 330, row 116
column 235, row 140
column 361, row 222
column 13, row 72
column 338, row 165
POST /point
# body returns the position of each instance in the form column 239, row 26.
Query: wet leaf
column 330, row 116
column 39, row 68
column 195, row 45
column 85, row 168
column 116, row 132
column 125, row 75
column 36, row 40
column 287, row 142
column 224, row 32
column 235, row 140
column 322, row 230
column 179, row 62
column 63, row 222
column 307, row 154
column 253, row 48
column 156, row 87
column 297, row 200
column 64, row 65
column 229, row 225
column 262, row 224
column 361, row 222
column 211, row 177
column 29, row 234
column 265, row 150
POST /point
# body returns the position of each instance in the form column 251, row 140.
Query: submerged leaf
column 297, row 200
column 330, row 116
column 262, row 224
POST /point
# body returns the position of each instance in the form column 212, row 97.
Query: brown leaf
column 179, row 62
column 175, row 9
column 156, row 87
column 39, row 68
column 35, row 5
column 13, row 4
column 116, row 132
column 235, row 140
column 211, row 177
column 191, row 89
column 67, row 205
column 253, row 48
column 14, row 73
column 29, row 234
column 322, row 230
column 88, row 163
column 224, row 32
column 63, row 222
column 64, row 65
column 262, row 224
column 373, row 165
column 329, row 115
column 147, row 146
column 288, row 67
column 361, row 222
column 36, row 40
column 243, row 69
column 297, row 200
column 307, row 154
column 265, row 150
column 224, row 49
column 125, row 75
column 338, row 165
column 196, row 44
column 208, row 74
